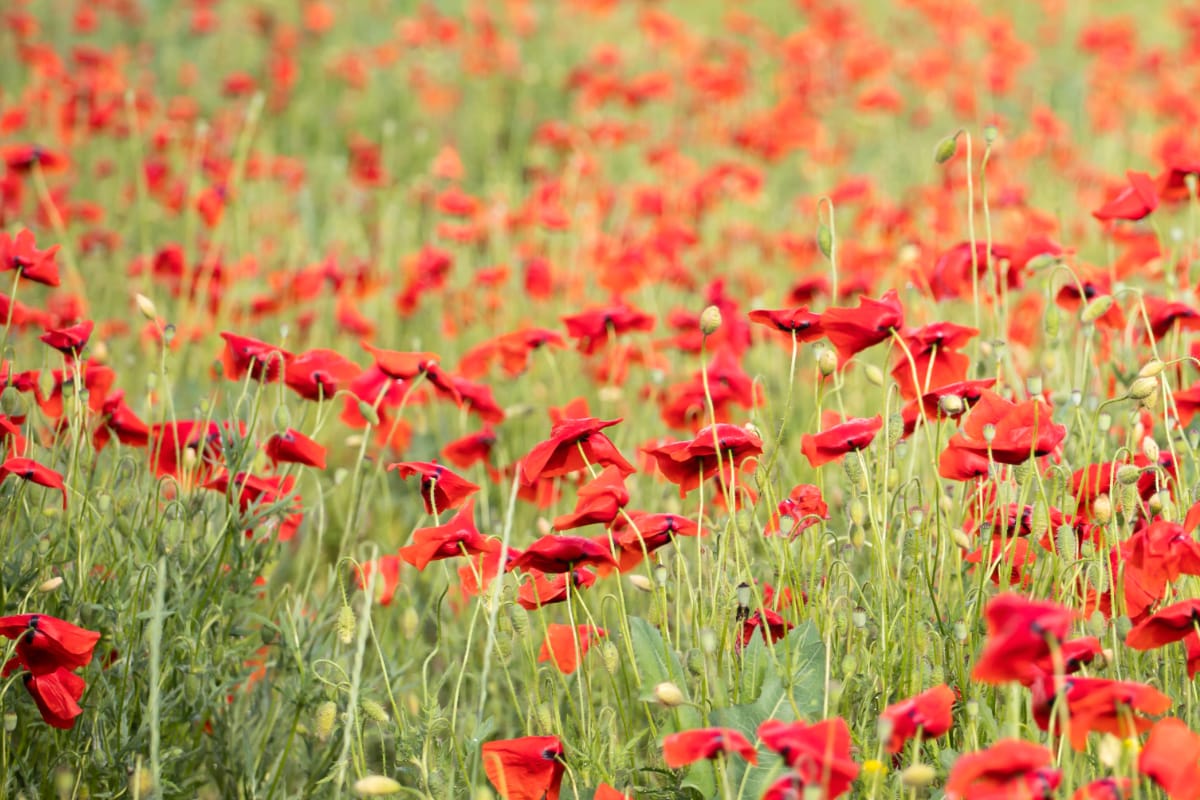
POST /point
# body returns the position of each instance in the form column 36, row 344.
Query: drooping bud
column 1152, row 369
column 946, row 149
column 825, row 240
column 710, row 320
column 146, row 307
column 1142, row 388
column 1096, row 309
column 376, row 786
column 917, row 776
column 346, row 623
column 1102, row 510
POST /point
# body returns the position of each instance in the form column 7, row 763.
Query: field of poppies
column 599, row 399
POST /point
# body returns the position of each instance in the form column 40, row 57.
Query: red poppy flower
column 686, row 747
column 927, row 713
column 1016, row 554
column 471, row 449
column 29, row 470
column 592, row 329
column 69, row 341
column 389, row 576
column 247, row 491
column 19, row 253
column 243, row 355
column 688, row 463
column 559, row 645
column 1074, row 655
column 97, row 379
column 185, row 446
column 773, row 626
column 46, row 643
column 529, row 768
column 401, row 365
column 1171, row 624
column 458, row 536
column 1165, row 315
column 1010, row 768
column 802, row 508
column 56, row 694
column 1134, row 202
column 572, row 446
column 1171, row 758
column 935, row 358
column 606, row 792
column 441, row 489
column 852, row 330
column 819, row 753
column 1105, row 789
column 1020, row 634
column 652, row 531
column 835, row 442
column 22, row 158
column 1097, row 705
column 117, row 419
column 553, row 553
column 541, row 590
column 600, row 500
column 319, row 374
column 1002, row 431
column 799, row 323
column 293, row 447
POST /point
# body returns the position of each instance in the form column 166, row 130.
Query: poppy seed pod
column 710, row 320
column 325, row 719
column 668, row 694
column 946, row 149
column 1142, row 388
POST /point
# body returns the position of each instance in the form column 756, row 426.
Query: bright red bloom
column 185, row 446
column 69, row 341
column 540, row 590
column 852, row 330
column 441, row 488
column 1105, row 789
column 593, row 329
column 117, row 419
column 319, row 374
column 553, row 553
column 773, row 626
column 572, row 446
column 512, row 349
column 19, row 253
column 1020, row 634
column 1018, row 431
column 29, row 470
column 606, row 792
column 652, row 531
column 1134, row 202
column 600, row 500
column 22, row 158
column 57, row 696
column 688, row 463
column 559, row 645
column 819, row 753
column 927, row 713
column 1171, row 758
column 835, row 442
column 248, row 491
column 293, row 447
column 401, row 366
column 389, row 576
column 686, row 747
column 935, row 358
column 1171, row 624
column 46, row 643
column 243, row 355
column 799, row 323
column 1097, row 705
column 529, row 768
column 1011, row 768
column 803, row 508
column 458, row 536
column 471, row 449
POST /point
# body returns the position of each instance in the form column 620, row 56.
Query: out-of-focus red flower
column 441, row 489
column 69, row 341
column 528, row 768
column 600, row 500
column 1010, row 768
column 818, row 753
column 319, row 374
column 244, row 355
column 1171, row 758
column 1171, row 624
column 1021, row 633
column 686, row 747
column 594, row 328
column 1134, row 202
column 838, row 440
column 293, row 447
column 1097, row 705
column 928, row 714
column 20, row 253
column 29, row 470
column 559, row 645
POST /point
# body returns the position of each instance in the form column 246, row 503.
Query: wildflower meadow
column 599, row 399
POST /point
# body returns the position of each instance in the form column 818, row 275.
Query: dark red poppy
column 559, row 645
column 472, row 449
column 319, row 374
column 600, row 500
column 185, row 446
column 477, row 398
column 22, row 158
column 1000, row 431
column 852, row 330
column 541, row 590
column 56, row 694
column 1105, row 789
column 97, row 379
column 1096, row 705
column 835, row 442
column 573, row 445
column 686, row 747
column 29, row 470
column 1020, row 635
column 441, row 489
column 652, row 531
column 69, row 341
column 117, row 419
column 529, row 768
column 513, row 350
column 800, row 510
column 593, row 329
column 19, row 253
column 714, row 448
column 1171, row 624
column 773, row 626
column 819, row 753
column 456, row 537
column 927, row 714
column 46, row 643
column 1171, row 758
column 293, row 447
column 1011, row 768
column 553, row 553
column 243, row 355
column 799, row 323
column 1134, row 202
column 1165, row 315
column 1073, row 655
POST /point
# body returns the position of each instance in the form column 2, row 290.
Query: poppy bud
column 372, row 710
column 282, row 417
column 853, row 469
column 545, row 717
column 503, row 648
column 641, row 582
column 972, row 709
column 1066, row 542
column 827, row 362
column 368, row 412
column 660, row 575
column 12, row 403
column 1150, row 449
column 710, row 320
column 346, row 623
column 1124, row 625
column 695, row 661
column 1155, row 503
column 917, row 776
column 960, row 539
column 989, row 433
column 1102, row 510
column 1096, row 309
column 857, row 511
column 874, row 374
column 708, row 640
column 895, row 429
column 950, row 404
column 960, row 632
column 825, row 239
column 1152, row 369
column 668, row 694
column 409, row 623
column 1034, row 384
column 945, row 149
column 10, row 721
column 859, row 618
column 520, row 620
column 1142, row 388
column 611, row 657
column 326, row 717
column 50, row 585
column 376, row 786
column 146, row 306
column 1050, row 322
